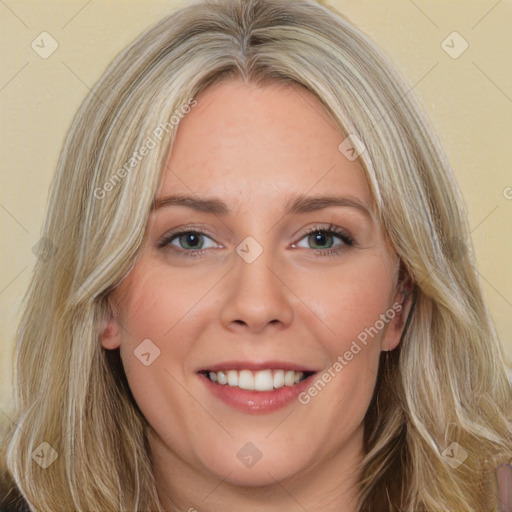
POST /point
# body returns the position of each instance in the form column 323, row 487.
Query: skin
column 254, row 147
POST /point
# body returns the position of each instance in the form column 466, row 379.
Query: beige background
column 469, row 100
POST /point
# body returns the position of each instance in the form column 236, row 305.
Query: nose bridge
column 258, row 296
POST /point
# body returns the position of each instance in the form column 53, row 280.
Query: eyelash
column 330, row 230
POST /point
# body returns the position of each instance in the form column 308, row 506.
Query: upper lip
column 256, row 366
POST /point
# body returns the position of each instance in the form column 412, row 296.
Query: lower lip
column 256, row 402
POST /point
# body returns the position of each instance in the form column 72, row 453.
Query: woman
column 272, row 307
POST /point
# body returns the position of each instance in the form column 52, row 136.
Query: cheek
column 161, row 317
column 158, row 305
column 146, row 311
column 350, row 300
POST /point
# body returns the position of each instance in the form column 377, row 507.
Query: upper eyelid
column 166, row 237
column 328, row 228
column 338, row 232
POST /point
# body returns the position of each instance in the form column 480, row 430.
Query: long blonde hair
column 445, row 384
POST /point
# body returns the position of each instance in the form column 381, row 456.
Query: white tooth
column 289, row 378
column 298, row 376
column 246, row 380
column 279, row 379
column 263, row 381
column 221, row 378
column 233, row 378
column 213, row 376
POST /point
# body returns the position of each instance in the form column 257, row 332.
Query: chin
column 249, row 467
column 261, row 475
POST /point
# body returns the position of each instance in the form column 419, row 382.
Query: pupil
column 191, row 240
column 320, row 238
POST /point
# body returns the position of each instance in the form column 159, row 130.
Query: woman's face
column 283, row 270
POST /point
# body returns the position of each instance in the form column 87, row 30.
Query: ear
column 110, row 332
column 401, row 306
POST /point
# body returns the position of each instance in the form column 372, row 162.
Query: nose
column 257, row 296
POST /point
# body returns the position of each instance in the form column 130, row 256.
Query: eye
column 187, row 241
column 325, row 241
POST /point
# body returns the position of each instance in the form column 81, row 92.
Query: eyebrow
column 296, row 204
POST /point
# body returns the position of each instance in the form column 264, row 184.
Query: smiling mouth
column 262, row 380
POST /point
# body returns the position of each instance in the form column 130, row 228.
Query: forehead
column 252, row 144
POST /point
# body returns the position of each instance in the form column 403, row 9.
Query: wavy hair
column 446, row 382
